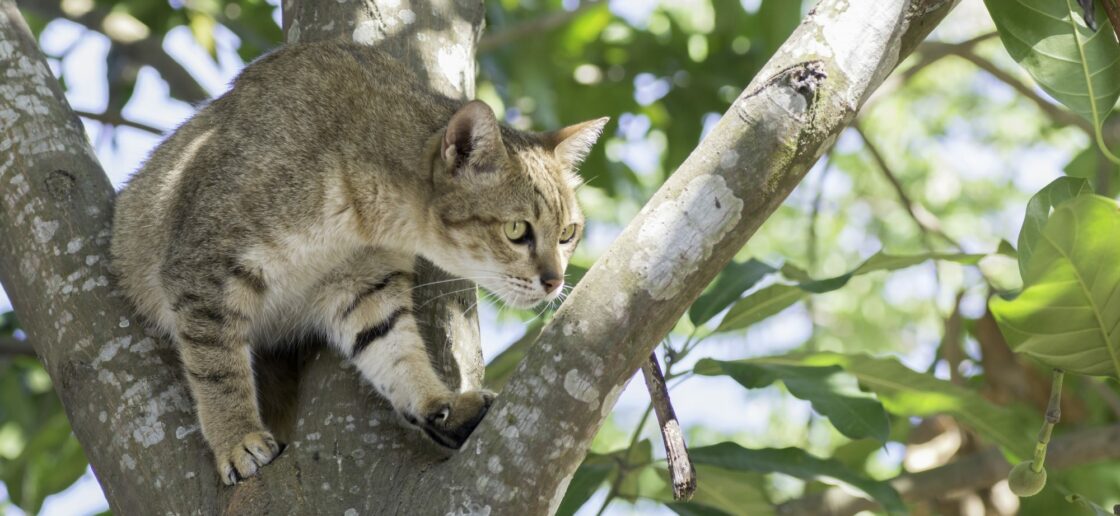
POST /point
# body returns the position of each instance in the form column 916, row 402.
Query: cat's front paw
column 246, row 458
column 450, row 421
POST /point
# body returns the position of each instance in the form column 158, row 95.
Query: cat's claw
column 450, row 422
column 245, row 459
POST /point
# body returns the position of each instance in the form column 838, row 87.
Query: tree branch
column 529, row 28
column 975, row 471
column 753, row 158
column 146, row 51
column 117, row 120
column 927, row 222
column 681, row 472
column 1058, row 114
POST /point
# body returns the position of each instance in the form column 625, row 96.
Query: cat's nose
column 551, row 281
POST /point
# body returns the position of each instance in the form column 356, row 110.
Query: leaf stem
column 1053, row 414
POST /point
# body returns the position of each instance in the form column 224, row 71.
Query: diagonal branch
column 117, row 119
column 927, row 222
column 1057, row 114
column 754, row 157
column 977, row 471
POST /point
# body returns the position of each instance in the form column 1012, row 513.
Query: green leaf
column 1089, row 165
column 882, row 261
column 1088, row 506
column 591, row 474
column 718, row 491
column 1068, row 316
column 735, row 279
column 906, row 392
column 502, row 366
column 833, row 393
column 798, row 463
column 760, row 305
column 1038, row 212
column 1079, row 68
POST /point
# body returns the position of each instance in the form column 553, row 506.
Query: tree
column 146, row 449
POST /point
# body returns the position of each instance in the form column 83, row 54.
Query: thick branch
column 973, row 472
column 119, row 386
column 754, row 157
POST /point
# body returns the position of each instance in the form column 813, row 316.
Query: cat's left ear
column 571, row 144
column 472, row 138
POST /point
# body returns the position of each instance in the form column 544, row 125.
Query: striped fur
column 298, row 202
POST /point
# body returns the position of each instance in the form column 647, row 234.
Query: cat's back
column 269, row 137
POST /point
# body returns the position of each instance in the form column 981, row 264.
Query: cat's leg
column 366, row 308
column 212, row 333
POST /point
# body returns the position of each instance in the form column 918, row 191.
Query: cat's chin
column 522, row 302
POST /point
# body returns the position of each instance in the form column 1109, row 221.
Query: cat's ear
column 571, row 144
column 472, row 138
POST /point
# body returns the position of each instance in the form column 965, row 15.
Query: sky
column 121, row 151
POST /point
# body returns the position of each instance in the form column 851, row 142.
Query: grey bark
column 132, row 413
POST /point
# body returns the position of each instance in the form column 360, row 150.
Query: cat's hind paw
column 245, row 458
column 450, row 422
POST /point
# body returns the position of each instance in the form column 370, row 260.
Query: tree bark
column 132, row 413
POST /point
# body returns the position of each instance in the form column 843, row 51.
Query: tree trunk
column 132, row 413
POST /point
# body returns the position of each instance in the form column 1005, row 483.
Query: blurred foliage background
column 922, row 191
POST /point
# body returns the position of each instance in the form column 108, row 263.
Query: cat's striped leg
column 367, row 310
column 212, row 329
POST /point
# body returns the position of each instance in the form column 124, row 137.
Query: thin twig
column 1112, row 10
column 681, row 472
column 532, row 27
column 112, row 119
column 927, row 222
column 1057, row 114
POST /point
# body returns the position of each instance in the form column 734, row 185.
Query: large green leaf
column 591, row 474
column 883, row 261
column 1078, row 67
column 1038, row 212
column 906, row 392
column 833, row 393
column 718, row 491
column 760, row 305
column 735, row 279
column 798, row 463
column 1068, row 315
column 1090, row 165
column 771, row 300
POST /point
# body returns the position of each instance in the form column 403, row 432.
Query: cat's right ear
column 472, row 138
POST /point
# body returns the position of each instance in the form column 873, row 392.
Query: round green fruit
column 1025, row 481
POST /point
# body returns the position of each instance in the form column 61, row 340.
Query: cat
column 299, row 201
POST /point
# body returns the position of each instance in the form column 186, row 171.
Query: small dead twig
column 681, row 472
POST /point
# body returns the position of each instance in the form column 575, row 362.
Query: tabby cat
column 298, row 202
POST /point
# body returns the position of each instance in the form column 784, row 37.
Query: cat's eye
column 568, row 233
column 516, row 231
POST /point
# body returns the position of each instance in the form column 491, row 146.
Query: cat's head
column 505, row 206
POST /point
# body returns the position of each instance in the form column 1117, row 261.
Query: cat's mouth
column 519, row 292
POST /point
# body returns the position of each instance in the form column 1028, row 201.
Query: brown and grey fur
column 298, row 201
